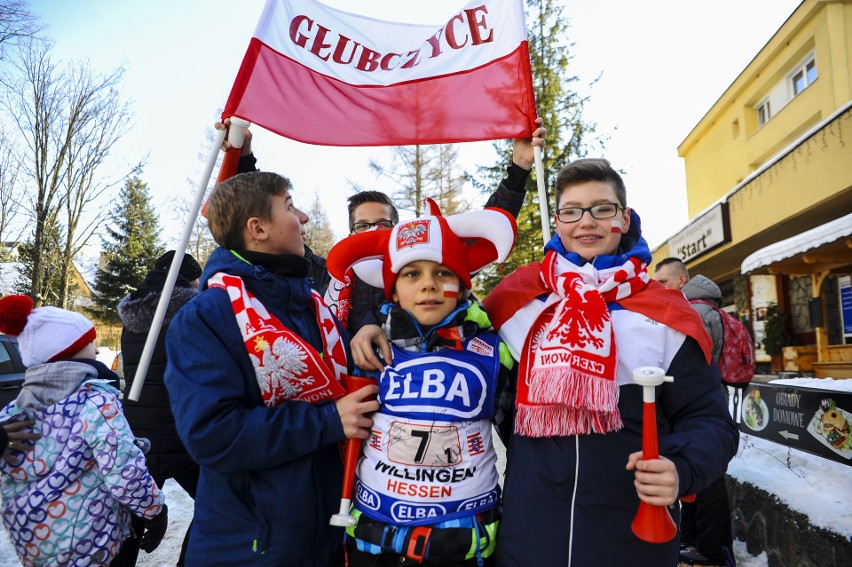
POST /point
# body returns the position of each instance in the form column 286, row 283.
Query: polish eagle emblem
column 411, row 233
column 582, row 318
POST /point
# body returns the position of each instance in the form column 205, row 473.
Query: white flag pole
column 235, row 137
column 542, row 195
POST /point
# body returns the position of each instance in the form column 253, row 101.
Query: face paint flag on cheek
column 616, row 226
column 451, row 290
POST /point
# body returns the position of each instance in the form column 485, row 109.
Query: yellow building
column 769, row 161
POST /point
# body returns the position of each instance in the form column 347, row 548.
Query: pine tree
column 129, row 252
column 320, row 237
column 567, row 133
column 49, row 259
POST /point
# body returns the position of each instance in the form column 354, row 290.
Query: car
column 12, row 369
column 118, row 365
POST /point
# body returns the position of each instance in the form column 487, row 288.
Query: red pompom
column 14, row 310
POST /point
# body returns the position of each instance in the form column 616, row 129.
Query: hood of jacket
column 279, row 281
column 700, row 287
column 45, row 384
column 137, row 309
column 253, row 265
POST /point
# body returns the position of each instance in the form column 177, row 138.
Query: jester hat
column 465, row 243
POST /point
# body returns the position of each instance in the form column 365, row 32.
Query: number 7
column 424, row 442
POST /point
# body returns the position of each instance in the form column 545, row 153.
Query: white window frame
column 764, row 112
column 802, row 68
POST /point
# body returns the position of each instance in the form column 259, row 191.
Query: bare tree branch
column 10, row 193
column 16, row 23
column 69, row 119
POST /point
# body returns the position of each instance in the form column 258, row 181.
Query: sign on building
column 763, row 294
column 844, row 284
column 705, row 233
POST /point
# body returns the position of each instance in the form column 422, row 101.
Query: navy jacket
column 270, row 477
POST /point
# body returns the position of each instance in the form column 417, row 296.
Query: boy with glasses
column 579, row 323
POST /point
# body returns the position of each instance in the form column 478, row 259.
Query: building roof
column 796, row 247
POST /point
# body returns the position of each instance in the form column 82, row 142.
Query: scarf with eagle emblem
column 566, row 380
column 286, row 366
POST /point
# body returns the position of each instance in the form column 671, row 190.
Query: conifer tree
column 320, row 236
column 50, row 259
column 129, row 252
column 568, row 133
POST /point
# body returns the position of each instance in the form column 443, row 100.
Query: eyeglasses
column 600, row 212
column 365, row 226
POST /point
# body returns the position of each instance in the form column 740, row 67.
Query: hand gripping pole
column 350, row 460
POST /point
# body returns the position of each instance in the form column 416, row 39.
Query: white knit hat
column 45, row 334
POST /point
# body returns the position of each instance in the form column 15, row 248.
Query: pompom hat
column 45, row 334
column 465, row 243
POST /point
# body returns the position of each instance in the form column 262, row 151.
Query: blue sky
column 663, row 63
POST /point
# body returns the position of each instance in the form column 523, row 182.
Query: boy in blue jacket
column 254, row 363
column 427, row 485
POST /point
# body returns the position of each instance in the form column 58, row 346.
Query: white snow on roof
column 9, row 276
column 808, row 240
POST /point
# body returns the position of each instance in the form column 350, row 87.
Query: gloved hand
column 155, row 530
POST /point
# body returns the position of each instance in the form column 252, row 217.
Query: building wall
column 809, row 185
column 791, row 173
column 728, row 144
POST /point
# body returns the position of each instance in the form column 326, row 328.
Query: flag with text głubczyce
column 323, row 76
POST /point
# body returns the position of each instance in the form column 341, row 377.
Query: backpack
column 736, row 362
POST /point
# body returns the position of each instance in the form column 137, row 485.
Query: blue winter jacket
column 270, row 477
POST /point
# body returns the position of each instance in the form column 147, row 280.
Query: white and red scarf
column 286, row 366
column 567, row 375
column 338, row 296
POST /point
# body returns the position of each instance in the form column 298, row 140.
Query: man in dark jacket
column 706, row 536
column 151, row 417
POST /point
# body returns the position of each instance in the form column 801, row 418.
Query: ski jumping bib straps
column 286, row 366
column 430, row 456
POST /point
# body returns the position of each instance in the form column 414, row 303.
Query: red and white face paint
column 590, row 237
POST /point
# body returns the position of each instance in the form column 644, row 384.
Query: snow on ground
column 811, row 485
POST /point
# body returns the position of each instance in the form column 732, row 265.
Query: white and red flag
column 324, row 76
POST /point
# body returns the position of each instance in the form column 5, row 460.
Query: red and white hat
column 45, row 334
column 465, row 243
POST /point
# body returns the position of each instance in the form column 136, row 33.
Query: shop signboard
column 705, row 233
column 809, row 419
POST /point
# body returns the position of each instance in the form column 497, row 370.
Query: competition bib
column 430, row 456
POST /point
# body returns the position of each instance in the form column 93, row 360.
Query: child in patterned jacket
column 427, row 486
column 68, row 501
